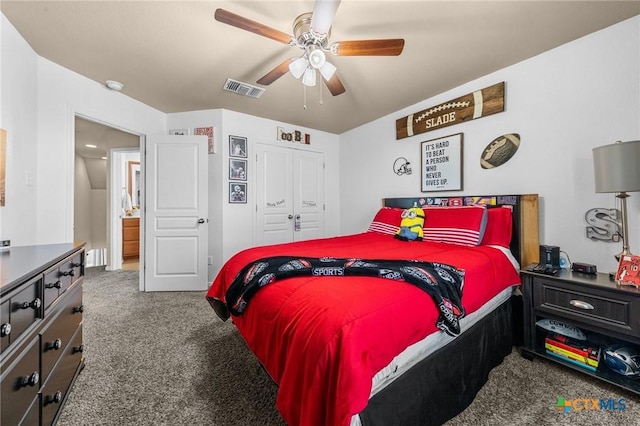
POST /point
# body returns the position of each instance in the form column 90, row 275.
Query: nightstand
column 606, row 312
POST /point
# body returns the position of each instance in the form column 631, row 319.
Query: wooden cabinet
column 606, row 312
column 41, row 329
column 130, row 237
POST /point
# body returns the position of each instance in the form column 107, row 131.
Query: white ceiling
column 175, row 57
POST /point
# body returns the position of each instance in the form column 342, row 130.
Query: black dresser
column 41, row 330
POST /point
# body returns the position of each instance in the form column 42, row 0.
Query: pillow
column 386, row 221
column 464, row 225
column 499, row 227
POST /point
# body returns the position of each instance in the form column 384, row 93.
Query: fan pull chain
column 304, row 95
column 320, row 86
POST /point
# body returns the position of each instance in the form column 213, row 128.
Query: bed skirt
column 442, row 385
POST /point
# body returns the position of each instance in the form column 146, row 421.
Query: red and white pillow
column 387, row 221
column 464, row 225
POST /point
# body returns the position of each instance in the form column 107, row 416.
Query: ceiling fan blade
column 386, row 47
column 238, row 21
column 335, row 85
column 276, row 73
column 323, row 13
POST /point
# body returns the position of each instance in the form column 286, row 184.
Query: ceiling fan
column 311, row 34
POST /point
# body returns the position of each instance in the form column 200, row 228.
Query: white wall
column 39, row 102
column 18, row 116
column 563, row 103
column 232, row 226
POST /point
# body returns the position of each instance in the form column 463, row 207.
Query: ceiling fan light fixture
column 317, row 58
column 327, row 70
column 298, row 66
column 309, row 77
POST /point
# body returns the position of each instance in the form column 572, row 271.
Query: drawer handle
column 580, row 304
column 76, row 265
column 77, row 349
column 31, row 380
column 53, row 285
column 56, row 344
column 77, row 309
column 68, row 273
column 5, row 330
column 55, row 398
column 34, row 304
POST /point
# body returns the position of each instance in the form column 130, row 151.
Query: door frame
column 116, row 156
column 91, row 116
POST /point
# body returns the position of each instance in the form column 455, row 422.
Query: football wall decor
column 480, row 103
column 500, row 150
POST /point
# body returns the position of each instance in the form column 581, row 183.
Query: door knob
column 290, row 217
column 201, row 220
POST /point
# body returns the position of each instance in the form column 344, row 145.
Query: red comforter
column 322, row 339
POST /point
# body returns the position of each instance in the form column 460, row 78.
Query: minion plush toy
column 411, row 225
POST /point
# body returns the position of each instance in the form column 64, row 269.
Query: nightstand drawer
column 620, row 314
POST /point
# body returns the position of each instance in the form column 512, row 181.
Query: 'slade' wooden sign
column 480, row 103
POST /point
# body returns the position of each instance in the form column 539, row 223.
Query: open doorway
column 97, row 217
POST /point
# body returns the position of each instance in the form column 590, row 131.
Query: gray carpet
column 166, row 359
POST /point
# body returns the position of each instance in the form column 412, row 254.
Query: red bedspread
column 322, row 339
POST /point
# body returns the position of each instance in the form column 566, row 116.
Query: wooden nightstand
column 606, row 312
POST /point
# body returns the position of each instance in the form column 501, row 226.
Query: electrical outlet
column 209, row 260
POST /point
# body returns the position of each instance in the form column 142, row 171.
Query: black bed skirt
column 442, row 385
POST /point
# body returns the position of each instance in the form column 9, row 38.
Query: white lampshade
column 617, row 167
column 327, row 70
column 309, row 77
column 298, row 67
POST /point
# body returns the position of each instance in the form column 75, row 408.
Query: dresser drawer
column 24, row 309
column 57, row 335
column 5, row 324
column 20, row 384
column 619, row 312
column 58, row 384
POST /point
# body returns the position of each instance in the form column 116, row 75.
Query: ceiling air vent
column 242, row 88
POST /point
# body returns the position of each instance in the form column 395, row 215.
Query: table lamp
column 617, row 169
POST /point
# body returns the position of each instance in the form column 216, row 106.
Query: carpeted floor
column 166, row 359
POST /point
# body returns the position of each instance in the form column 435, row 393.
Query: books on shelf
column 574, row 351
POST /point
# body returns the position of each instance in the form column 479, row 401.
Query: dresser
column 130, row 237
column 41, row 330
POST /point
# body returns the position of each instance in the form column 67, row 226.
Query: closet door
column 274, row 195
column 290, row 194
column 308, row 184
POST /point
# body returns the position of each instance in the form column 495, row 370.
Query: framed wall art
column 208, row 132
column 237, row 192
column 237, row 169
column 237, row 146
column 441, row 164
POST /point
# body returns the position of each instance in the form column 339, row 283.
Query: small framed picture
column 237, row 169
column 179, row 132
column 237, row 192
column 237, row 146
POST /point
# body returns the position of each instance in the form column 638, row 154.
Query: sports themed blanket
column 442, row 282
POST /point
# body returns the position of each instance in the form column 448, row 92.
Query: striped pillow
column 464, row 225
column 386, row 221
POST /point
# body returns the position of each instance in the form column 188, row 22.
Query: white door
column 290, row 194
column 176, row 210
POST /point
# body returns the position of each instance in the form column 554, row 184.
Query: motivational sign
column 480, row 103
column 441, row 164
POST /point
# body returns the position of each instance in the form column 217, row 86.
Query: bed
column 357, row 349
